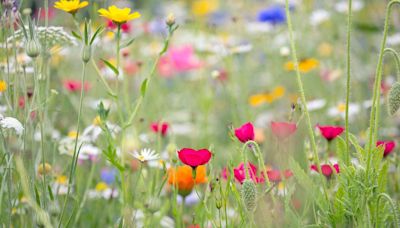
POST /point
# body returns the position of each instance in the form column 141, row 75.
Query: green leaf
column 86, row 33
column 112, row 67
column 98, row 32
column 50, row 193
column 143, row 87
column 126, row 44
column 37, row 196
column 341, row 150
column 76, row 35
column 382, row 177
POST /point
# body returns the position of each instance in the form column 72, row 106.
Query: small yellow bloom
column 341, row 107
column 305, row 65
column 45, row 170
column 117, row 15
column 72, row 134
column 70, row 6
column 101, row 186
column 259, row 99
column 62, row 180
column 204, row 7
column 97, row 120
column 3, row 86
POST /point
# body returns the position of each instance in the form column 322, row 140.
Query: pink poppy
column 245, row 132
column 240, row 173
column 75, row 85
column 178, row 60
column 158, row 127
column 326, row 169
column 388, row 147
column 193, row 157
column 330, row 132
column 283, row 130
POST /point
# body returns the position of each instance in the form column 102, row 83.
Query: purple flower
column 274, row 15
column 108, row 175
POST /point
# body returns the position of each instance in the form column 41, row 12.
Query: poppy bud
column 32, row 48
column 86, row 53
column 41, row 218
column 394, row 98
column 249, row 195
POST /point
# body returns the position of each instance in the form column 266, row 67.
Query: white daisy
column 145, row 155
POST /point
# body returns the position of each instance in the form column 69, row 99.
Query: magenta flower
column 388, row 147
column 245, row 132
column 326, row 169
column 330, row 132
column 193, row 157
column 162, row 128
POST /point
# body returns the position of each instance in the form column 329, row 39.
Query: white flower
column 145, row 155
column 316, row 104
column 10, row 122
column 319, row 16
column 342, row 6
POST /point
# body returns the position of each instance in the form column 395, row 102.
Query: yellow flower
column 259, row 99
column 101, row 186
column 3, row 86
column 97, row 120
column 305, row 65
column 117, row 15
column 325, row 49
column 204, row 7
column 72, row 134
column 70, row 6
column 62, row 180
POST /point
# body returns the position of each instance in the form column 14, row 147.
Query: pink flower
column 275, row 175
column 193, row 157
column 245, row 132
column 158, row 127
column 283, row 130
column 178, row 60
column 240, row 173
column 330, row 132
column 75, row 85
column 388, row 147
column 326, row 169
column 125, row 28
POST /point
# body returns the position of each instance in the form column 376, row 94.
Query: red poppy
column 330, row 132
column 326, row 169
column 75, row 85
column 283, row 130
column 245, row 132
column 240, row 173
column 158, row 127
column 388, row 147
column 275, row 175
column 193, row 157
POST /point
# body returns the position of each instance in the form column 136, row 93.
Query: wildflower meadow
column 199, row 113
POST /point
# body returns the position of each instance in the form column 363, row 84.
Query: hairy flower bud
column 249, row 195
column 86, row 53
column 170, row 19
column 394, row 98
column 32, row 48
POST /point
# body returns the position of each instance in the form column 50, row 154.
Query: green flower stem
column 76, row 153
column 105, row 84
column 85, row 193
column 396, row 58
column 118, row 45
column 348, row 63
column 373, row 121
column 300, row 85
column 149, row 77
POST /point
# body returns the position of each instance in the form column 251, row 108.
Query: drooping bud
column 41, row 219
column 32, row 48
column 86, row 53
column 249, row 195
column 394, row 98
